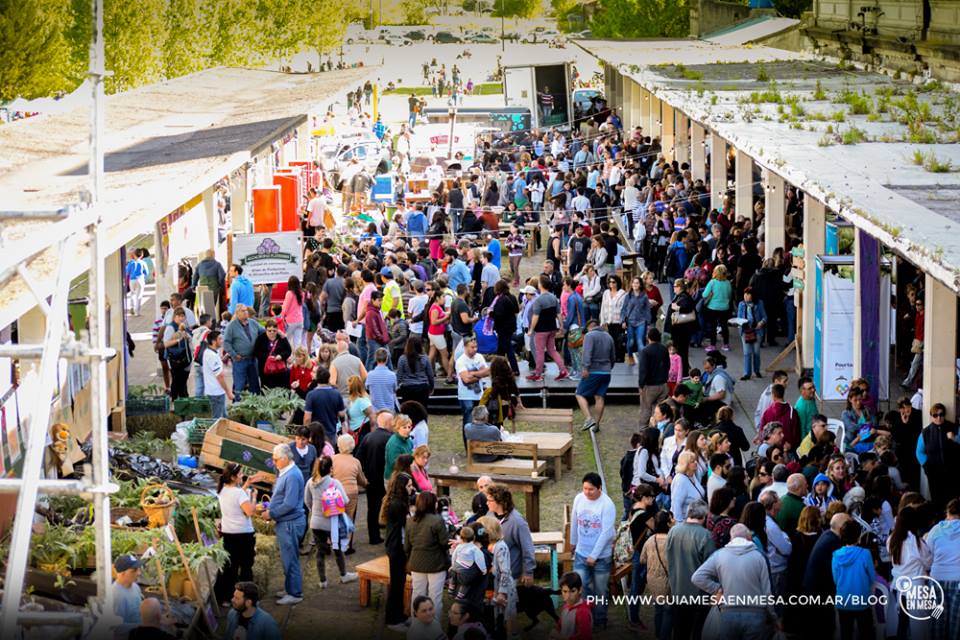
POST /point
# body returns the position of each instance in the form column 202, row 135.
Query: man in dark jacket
column 372, row 454
column 653, row 367
column 818, row 578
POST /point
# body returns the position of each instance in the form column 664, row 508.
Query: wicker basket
column 134, row 513
column 158, row 514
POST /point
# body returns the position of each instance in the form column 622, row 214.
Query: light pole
column 503, row 40
column 452, row 113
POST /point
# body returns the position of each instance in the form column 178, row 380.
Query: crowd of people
column 424, row 297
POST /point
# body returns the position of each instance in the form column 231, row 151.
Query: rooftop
column 164, row 144
column 880, row 151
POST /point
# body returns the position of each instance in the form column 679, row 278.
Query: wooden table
column 378, row 570
column 557, row 447
column 466, row 480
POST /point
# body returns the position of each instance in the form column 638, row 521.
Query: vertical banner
column 835, row 336
column 886, row 322
column 868, row 277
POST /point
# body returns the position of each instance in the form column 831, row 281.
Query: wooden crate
column 223, row 430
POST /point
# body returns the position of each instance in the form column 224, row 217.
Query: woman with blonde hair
column 301, row 373
column 718, row 443
column 421, row 457
column 504, row 586
column 325, row 354
column 360, row 412
column 348, row 472
column 685, row 488
column 717, row 301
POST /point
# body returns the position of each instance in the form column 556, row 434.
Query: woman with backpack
column 631, row 537
column 329, row 522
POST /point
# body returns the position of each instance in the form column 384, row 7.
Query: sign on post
column 268, row 258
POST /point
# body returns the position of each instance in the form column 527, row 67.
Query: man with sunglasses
column 938, row 452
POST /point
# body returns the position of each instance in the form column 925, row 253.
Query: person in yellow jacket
column 392, row 298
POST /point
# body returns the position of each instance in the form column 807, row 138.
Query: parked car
column 416, row 35
column 446, row 37
column 397, row 40
column 483, row 38
column 336, row 160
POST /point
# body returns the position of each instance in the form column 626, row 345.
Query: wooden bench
column 562, row 417
column 517, row 458
column 529, row 485
column 378, row 570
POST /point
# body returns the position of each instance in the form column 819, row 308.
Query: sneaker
column 725, row 347
column 588, row 424
column 596, row 428
column 746, row 377
column 280, row 594
column 534, row 378
column 574, row 377
column 289, row 600
column 323, row 584
column 400, row 627
column 348, row 578
column 562, row 375
column 350, row 551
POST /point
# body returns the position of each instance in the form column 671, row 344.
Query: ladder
column 69, row 228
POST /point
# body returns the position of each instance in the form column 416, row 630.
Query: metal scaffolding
column 80, row 227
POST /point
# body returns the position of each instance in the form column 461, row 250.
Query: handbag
column 271, row 366
column 749, row 334
column 683, row 318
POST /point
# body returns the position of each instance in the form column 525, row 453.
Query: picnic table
column 378, row 570
column 466, row 480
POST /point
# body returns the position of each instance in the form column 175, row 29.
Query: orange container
column 289, row 184
column 266, row 209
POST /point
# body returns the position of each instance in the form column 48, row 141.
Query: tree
column 326, row 25
column 516, row 8
column 414, row 12
column 233, row 35
column 628, row 19
column 34, row 58
column 134, row 34
column 187, row 45
column 792, row 8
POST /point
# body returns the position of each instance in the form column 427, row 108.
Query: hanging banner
column 268, row 258
column 164, row 231
column 836, row 338
column 382, row 189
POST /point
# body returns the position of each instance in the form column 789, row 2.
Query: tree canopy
column 626, row 19
column 44, row 44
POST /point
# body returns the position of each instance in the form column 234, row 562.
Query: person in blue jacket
column 241, row 289
column 286, row 510
column 244, row 612
column 854, row 575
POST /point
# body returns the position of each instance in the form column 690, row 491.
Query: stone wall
column 709, row 15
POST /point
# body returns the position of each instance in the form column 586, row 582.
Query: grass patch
column 918, row 157
column 770, row 95
column 713, row 99
column 825, row 141
column 933, row 164
column 819, row 93
column 853, row 135
column 839, row 115
column 918, row 133
column 688, row 74
column 762, row 75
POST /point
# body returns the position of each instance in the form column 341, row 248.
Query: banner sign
column 834, row 334
column 269, row 258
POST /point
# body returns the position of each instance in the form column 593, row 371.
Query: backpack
column 198, row 353
column 623, row 542
column 331, row 501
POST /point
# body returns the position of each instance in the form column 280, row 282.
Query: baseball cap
column 528, row 289
column 126, row 562
column 386, row 271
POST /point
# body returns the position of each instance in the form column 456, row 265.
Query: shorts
column 595, row 384
column 438, row 341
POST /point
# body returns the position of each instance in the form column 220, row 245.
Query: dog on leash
column 536, row 600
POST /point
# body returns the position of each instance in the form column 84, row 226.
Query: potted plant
column 53, row 550
column 270, row 407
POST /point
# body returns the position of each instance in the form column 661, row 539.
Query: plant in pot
column 270, row 407
column 53, row 550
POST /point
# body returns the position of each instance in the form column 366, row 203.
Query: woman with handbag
column 683, row 322
column 592, row 292
column 272, row 351
column 611, row 310
column 751, row 332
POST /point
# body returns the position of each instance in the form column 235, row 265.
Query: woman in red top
column 301, row 373
column 653, row 293
column 917, row 346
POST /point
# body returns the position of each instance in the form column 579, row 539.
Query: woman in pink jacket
column 292, row 312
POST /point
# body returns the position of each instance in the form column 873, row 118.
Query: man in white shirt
column 215, row 386
column 417, row 306
column 315, row 208
column 490, row 273
column 434, row 174
column 592, row 529
column 670, row 444
column 581, row 203
column 472, row 377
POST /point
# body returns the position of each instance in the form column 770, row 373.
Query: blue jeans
column 748, row 625
column 466, row 410
column 636, row 336
column 197, row 381
column 246, row 375
column 596, row 583
column 412, row 119
column 218, row 405
column 362, row 346
column 638, row 582
column 289, row 534
column 751, row 356
column 790, row 318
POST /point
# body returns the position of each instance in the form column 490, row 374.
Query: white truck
column 545, row 89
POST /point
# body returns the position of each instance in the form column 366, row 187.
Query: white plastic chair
column 837, row 429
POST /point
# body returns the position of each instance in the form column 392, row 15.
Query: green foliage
column 860, row 104
column 34, row 58
column 688, row 74
column 208, row 510
column 770, row 95
column 934, row 165
column 918, row 157
column 919, row 134
column 628, row 19
column 414, row 12
column 853, row 135
column 819, row 93
column 134, row 33
column 271, row 406
column 144, row 443
column 839, row 115
column 825, row 141
column 516, row 8
column 762, row 75
column 792, row 8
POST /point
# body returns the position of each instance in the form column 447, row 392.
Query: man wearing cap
column 126, row 591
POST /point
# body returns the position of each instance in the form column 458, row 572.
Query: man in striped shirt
column 546, row 103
